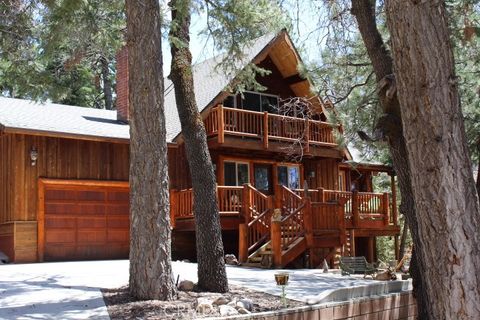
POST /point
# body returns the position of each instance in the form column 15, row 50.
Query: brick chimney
column 123, row 109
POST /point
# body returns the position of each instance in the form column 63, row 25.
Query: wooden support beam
column 394, row 201
column 307, row 221
column 276, row 238
column 386, row 208
column 397, row 249
column 307, row 136
column 242, row 243
column 221, row 125
column 265, row 130
column 371, row 249
column 355, row 213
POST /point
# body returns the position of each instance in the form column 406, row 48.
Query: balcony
column 266, row 127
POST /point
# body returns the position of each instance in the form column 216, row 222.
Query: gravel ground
column 121, row 305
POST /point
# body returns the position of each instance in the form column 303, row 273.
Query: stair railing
column 257, row 213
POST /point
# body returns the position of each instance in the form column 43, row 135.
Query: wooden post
column 307, row 136
column 265, row 130
column 352, row 243
column 371, row 249
column 246, row 203
column 321, row 194
column 394, row 201
column 355, row 213
column 386, row 208
column 242, row 242
column 276, row 236
column 397, row 249
column 173, row 207
column 277, row 196
column 221, row 124
column 341, row 220
column 307, row 222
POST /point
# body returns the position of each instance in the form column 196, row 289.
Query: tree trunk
column 403, row 240
column 391, row 125
column 150, row 256
column 448, row 218
column 210, row 255
column 107, row 84
column 478, row 170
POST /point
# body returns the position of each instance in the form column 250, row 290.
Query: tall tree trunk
column 403, row 240
column 107, row 84
column 478, row 169
column 210, row 255
column 444, row 190
column 391, row 126
column 150, row 256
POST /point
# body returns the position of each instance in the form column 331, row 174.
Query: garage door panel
column 118, row 236
column 61, row 208
column 60, row 222
column 120, row 209
column 91, row 222
column 59, row 194
column 83, row 222
column 92, row 237
column 60, row 236
column 91, row 196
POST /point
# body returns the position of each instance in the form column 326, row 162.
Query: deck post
column 173, row 207
column 397, row 248
column 277, row 196
column 307, row 221
column 321, row 194
column 221, row 124
column 246, row 203
column 276, row 236
column 394, row 201
column 386, row 208
column 371, row 249
column 242, row 242
column 307, row 136
column 265, row 130
column 355, row 213
column 352, row 243
column 341, row 220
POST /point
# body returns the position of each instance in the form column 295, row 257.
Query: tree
column 212, row 275
column 150, row 235
column 444, row 190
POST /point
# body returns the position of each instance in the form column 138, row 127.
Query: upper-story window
column 253, row 101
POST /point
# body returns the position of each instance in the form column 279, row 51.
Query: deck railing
column 266, row 127
column 361, row 209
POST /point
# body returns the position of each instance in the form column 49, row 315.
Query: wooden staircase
column 276, row 237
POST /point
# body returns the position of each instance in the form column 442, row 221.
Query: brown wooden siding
column 326, row 173
column 57, row 158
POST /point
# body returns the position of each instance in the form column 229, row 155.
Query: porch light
column 311, row 174
column 33, row 156
column 281, row 279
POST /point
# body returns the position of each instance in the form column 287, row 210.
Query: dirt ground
column 121, row 305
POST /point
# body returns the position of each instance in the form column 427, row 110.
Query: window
column 236, row 173
column 342, row 181
column 255, row 101
column 230, row 102
column 289, row 176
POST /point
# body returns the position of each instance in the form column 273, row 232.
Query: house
column 288, row 193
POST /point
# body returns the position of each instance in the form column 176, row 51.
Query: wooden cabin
column 288, row 194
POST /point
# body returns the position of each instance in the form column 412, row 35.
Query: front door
column 263, row 178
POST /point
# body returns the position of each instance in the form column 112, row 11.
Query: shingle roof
column 50, row 118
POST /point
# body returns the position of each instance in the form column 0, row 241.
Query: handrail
column 291, row 214
column 264, row 213
column 266, row 126
column 258, row 213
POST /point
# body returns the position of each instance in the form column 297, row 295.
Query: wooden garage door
column 83, row 220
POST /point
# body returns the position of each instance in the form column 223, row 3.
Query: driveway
column 71, row 290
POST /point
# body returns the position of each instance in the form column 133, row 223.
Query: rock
column 231, row 259
column 226, row 310
column 204, row 306
column 243, row 311
column 325, row 266
column 3, row 258
column 245, row 303
column 186, row 285
column 221, row 301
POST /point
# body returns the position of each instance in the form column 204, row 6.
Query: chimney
column 123, row 111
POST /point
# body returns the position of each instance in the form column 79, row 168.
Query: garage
column 83, row 220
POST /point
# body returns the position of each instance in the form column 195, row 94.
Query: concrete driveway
column 71, row 290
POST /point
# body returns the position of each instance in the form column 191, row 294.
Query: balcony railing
column 268, row 127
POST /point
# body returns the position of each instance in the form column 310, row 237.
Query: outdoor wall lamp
column 311, row 174
column 34, row 156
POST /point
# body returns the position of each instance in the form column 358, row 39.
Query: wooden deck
column 267, row 128
column 284, row 225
